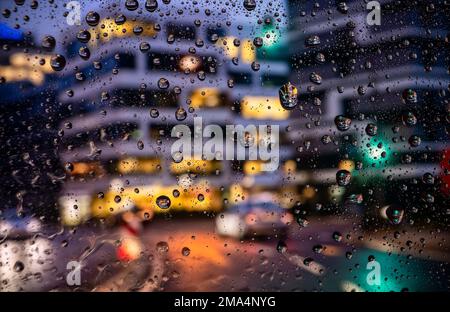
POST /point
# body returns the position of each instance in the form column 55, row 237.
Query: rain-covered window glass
column 249, row 145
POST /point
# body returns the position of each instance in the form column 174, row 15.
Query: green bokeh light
column 376, row 151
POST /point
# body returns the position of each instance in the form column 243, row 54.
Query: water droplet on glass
column 132, row 5
column 84, row 36
column 281, row 247
column 151, row 5
column 250, row 5
column 343, row 177
column 177, row 157
column 409, row 119
column 92, row 18
column 162, row 247
column 58, row 62
column 69, row 166
column 154, row 113
column 337, row 236
column 185, row 251
column 84, row 53
column 342, row 123
column 180, row 114
column 48, row 43
column 394, row 214
column 163, row 83
column 18, row 267
column 312, row 41
column 410, row 96
column 163, row 202
column 258, row 42
column 371, row 129
column 315, row 78
column 428, row 178
column 288, row 96
column 414, row 141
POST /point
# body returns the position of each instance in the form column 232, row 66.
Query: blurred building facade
column 392, row 82
column 146, row 74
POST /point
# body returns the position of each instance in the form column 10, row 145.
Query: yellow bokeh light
column 261, row 107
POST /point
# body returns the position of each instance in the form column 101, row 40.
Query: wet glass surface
column 251, row 145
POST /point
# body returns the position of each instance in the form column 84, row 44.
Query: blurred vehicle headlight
column 230, row 225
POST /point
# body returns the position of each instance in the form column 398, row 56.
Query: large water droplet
column 92, row 18
column 180, row 114
column 343, row 177
column 394, row 214
column 163, row 202
column 288, row 96
column 250, row 5
column 342, row 123
column 48, row 43
column 58, row 62
column 163, row 83
column 18, row 267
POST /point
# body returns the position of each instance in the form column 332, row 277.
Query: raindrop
column 84, row 36
column 258, row 42
column 132, row 5
column 92, row 18
column 162, row 247
column 326, row 139
column 414, row 141
column 151, row 5
column 246, row 139
column 180, row 114
column 409, row 119
column 48, row 43
column 342, row 123
column 428, row 178
column 342, row 7
column 255, row 66
column 343, row 177
column 337, row 236
column 355, row 198
column 410, row 96
column 315, row 78
column 84, row 53
column 163, row 83
column 250, row 5
column 163, row 202
column 281, row 247
column 144, row 47
column 69, row 166
column 288, row 96
column 318, row 249
column 18, row 267
column 58, row 62
column 394, row 214
column 371, row 129
column 302, row 222
column 120, row 19
column 320, row 58
column 140, row 145
column 154, row 113
column 185, row 251
column 312, row 41
column 177, row 157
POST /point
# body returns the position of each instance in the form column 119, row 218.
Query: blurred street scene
column 319, row 134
